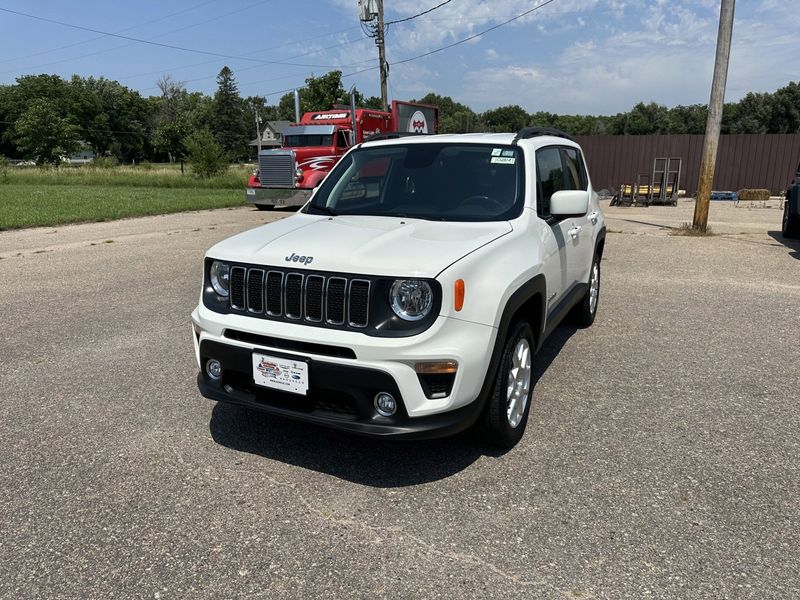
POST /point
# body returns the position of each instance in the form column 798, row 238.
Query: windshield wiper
column 421, row 217
column 325, row 209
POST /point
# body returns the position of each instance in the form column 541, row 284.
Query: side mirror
column 569, row 203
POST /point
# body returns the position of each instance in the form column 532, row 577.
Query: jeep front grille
column 294, row 296
column 276, row 168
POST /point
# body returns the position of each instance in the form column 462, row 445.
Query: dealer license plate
column 284, row 374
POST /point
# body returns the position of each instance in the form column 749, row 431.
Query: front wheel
column 509, row 404
column 791, row 223
column 586, row 310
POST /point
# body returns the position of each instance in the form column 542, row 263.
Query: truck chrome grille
column 293, row 296
column 276, row 168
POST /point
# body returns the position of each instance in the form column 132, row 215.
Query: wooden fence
column 744, row 160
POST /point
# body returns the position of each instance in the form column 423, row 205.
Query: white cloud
column 591, row 56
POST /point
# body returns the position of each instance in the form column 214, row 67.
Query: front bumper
column 340, row 397
column 352, row 363
column 277, row 196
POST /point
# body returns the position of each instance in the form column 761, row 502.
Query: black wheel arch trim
column 535, row 286
column 601, row 237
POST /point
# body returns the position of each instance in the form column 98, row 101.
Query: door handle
column 576, row 229
column 593, row 217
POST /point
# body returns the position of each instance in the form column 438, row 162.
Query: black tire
column 497, row 427
column 586, row 310
column 791, row 224
column 264, row 206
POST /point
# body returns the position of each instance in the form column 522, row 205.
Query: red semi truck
column 287, row 176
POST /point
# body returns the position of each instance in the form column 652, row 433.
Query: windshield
column 299, row 141
column 443, row 182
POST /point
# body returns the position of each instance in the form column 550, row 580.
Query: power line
column 424, row 12
column 472, row 37
column 107, row 50
column 292, row 43
column 100, row 37
column 159, row 44
column 348, row 42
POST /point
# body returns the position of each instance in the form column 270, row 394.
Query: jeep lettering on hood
column 361, row 244
column 306, row 260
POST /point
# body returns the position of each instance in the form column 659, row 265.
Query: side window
column 341, row 139
column 573, row 169
column 550, row 178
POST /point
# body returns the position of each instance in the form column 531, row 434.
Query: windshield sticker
column 503, row 160
column 496, row 151
column 508, row 153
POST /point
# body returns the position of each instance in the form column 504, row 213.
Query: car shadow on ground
column 793, row 245
column 366, row 461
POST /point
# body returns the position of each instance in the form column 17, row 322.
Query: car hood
column 364, row 245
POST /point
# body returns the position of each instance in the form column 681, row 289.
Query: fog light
column 214, row 369
column 385, row 404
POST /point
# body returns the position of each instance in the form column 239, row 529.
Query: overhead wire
column 160, row 44
column 475, row 35
column 357, row 72
column 292, row 43
column 100, row 37
column 107, row 50
column 424, row 12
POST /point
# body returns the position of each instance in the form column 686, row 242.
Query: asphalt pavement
column 661, row 460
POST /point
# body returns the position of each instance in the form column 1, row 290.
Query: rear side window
column 557, row 168
column 550, row 178
column 574, row 169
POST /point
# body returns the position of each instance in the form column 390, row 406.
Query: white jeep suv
column 408, row 297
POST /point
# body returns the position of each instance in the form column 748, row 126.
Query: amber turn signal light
column 459, row 294
column 436, row 368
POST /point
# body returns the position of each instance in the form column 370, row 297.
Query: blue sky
column 571, row 56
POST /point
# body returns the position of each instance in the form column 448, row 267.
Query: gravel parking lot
column 662, row 457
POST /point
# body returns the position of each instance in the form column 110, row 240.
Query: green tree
column 43, row 135
column 506, row 118
column 785, row 114
column 112, row 117
column 454, row 117
column 645, row 119
column 688, row 119
column 170, row 138
column 207, row 157
column 373, row 102
column 322, row 93
column 230, row 128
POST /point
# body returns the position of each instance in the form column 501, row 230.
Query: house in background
column 271, row 137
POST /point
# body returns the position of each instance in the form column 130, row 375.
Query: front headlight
column 411, row 299
column 220, row 276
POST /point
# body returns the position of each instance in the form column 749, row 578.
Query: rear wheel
column 509, row 404
column 791, row 223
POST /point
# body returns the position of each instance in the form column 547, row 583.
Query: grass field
column 161, row 176
column 45, row 205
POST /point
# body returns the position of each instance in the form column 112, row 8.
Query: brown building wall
column 743, row 161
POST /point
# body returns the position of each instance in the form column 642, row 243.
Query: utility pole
column 378, row 31
column 380, row 40
column 715, row 105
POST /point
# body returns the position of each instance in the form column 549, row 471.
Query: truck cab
column 287, row 176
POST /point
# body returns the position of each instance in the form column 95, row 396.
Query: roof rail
column 530, row 132
column 391, row 135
